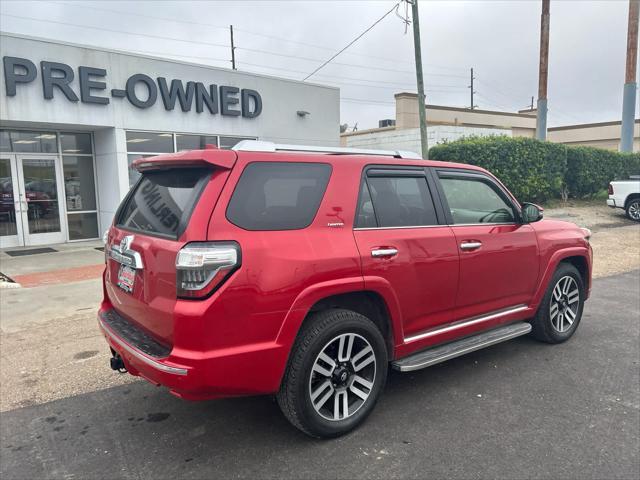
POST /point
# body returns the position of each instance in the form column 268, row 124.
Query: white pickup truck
column 625, row 194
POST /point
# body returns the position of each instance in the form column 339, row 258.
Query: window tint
column 162, row 201
column 366, row 215
column 278, row 196
column 402, row 201
column 475, row 201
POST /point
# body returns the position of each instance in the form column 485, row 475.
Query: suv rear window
column 278, row 195
column 161, row 202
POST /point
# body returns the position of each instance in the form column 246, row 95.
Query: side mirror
column 531, row 212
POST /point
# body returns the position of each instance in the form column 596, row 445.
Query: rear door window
column 397, row 202
column 278, row 195
column 162, row 201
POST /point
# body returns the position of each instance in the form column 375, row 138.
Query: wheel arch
column 378, row 304
column 630, row 197
column 365, row 302
column 579, row 257
column 580, row 262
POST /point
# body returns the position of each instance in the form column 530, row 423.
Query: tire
column 633, row 209
column 333, row 333
column 556, row 324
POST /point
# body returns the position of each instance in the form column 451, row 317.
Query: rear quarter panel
column 283, row 272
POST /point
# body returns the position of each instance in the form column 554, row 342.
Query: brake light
column 201, row 267
column 610, row 189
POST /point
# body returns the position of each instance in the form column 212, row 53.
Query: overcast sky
column 499, row 40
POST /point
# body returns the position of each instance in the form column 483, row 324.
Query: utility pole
column 629, row 95
column 421, row 100
column 472, row 91
column 541, row 117
column 233, row 49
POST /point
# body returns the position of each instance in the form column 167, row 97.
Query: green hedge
column 537, row 171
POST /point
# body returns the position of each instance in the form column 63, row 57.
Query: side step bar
column 433, row 355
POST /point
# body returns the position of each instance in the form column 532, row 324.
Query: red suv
column 306, row 273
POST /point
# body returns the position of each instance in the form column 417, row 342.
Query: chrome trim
column 437, row 226
column 139, row 355
column 124, row 254
column 525, row 328
column 401, row 227
column 482, row 224
column 470, row 245
column 465, row 323
column 384, row 252
column 262, row 146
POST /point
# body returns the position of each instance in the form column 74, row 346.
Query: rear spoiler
column 225, row 159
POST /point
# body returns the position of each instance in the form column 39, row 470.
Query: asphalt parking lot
column 515, row 410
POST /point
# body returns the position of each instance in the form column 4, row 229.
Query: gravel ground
column 615, row 241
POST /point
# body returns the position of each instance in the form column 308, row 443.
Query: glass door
column 10, row 207
column 40, row 190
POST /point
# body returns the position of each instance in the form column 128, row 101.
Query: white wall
column 409, row 139
column 278, row 120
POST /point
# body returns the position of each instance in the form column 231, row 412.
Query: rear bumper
column 195, row 375
column 611, row 202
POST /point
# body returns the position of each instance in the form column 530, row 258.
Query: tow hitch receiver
column 117, row 363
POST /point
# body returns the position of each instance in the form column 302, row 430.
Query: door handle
column 384, row 252
column 470, row 245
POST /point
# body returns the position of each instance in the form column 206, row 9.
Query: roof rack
column 261, row 146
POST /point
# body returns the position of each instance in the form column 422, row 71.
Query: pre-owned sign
column 140, row 90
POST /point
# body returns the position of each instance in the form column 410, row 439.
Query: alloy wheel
column 342, row 377
column 565, row 302
column 634, row 211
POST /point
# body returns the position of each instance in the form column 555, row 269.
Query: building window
column 230, row 142
column 76, row 143
column 148, row 144
column 73, row 152
column 79, row 185
column 28, row 142
column 195, row 142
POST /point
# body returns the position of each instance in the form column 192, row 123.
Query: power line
column 352, row 41
column 271, row 37
column 264, row 52
column 397, row 85
column 91, row 27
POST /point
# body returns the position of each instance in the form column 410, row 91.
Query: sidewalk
column 53, row 285
column 72, row 262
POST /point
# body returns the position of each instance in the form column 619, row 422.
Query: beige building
column 452, row 123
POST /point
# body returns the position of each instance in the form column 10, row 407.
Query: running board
column 431, row 356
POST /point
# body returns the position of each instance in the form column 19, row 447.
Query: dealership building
column 73, row 118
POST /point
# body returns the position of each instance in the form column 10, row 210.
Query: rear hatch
column 168, row 207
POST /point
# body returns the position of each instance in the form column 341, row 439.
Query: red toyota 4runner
column 306, row 273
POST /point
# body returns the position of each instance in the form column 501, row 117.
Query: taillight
column 201, row 267
column 610, row 189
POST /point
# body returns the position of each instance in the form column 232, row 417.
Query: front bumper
column 252, row 369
